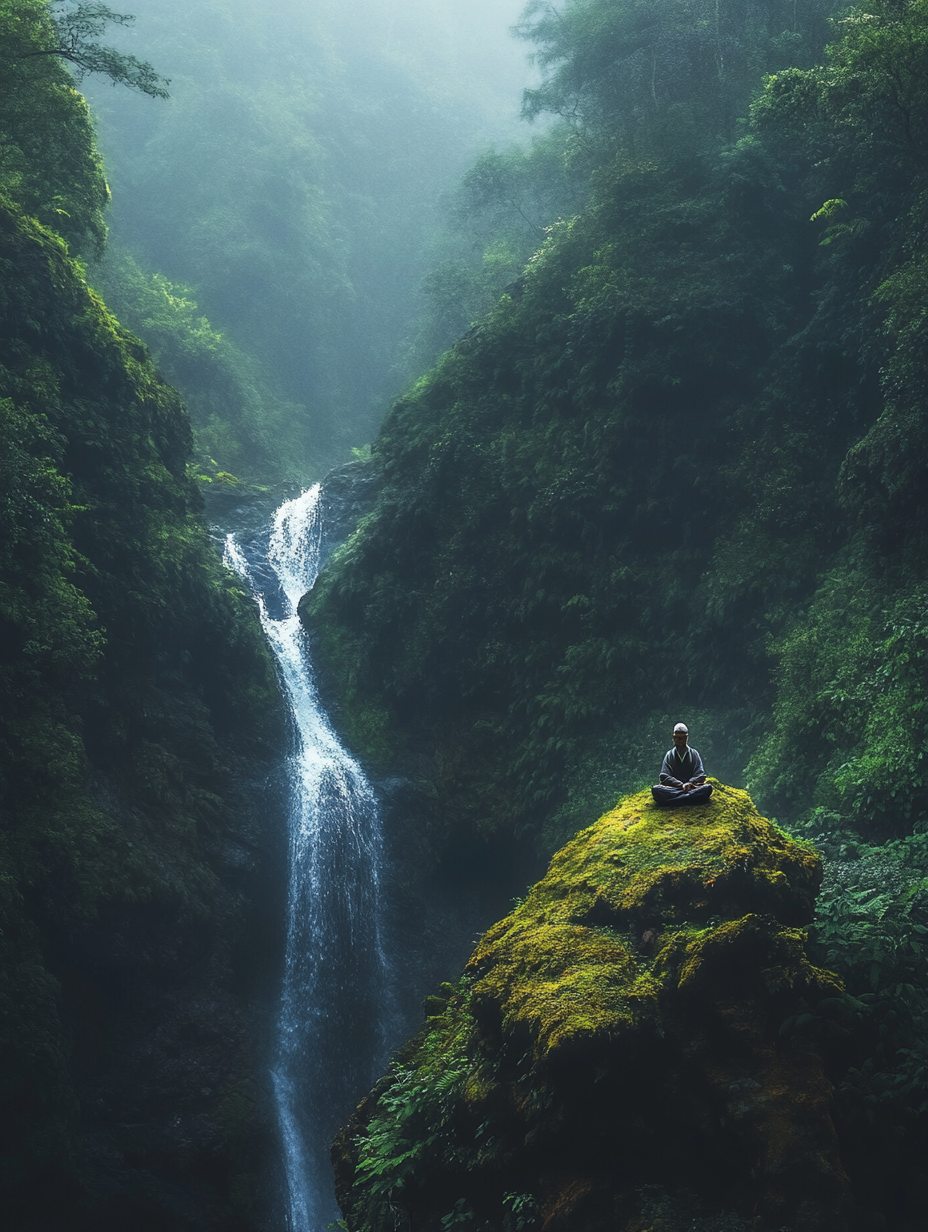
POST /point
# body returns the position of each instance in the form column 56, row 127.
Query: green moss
column 642, row 981
column 554, row 970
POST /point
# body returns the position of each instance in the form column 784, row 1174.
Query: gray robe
column 676, row 771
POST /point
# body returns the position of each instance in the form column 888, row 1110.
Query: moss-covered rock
column 613, row 1057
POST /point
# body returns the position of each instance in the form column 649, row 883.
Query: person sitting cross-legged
column 683, row 779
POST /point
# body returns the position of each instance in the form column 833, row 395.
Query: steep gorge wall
column 139, row 715
column 141, row 874
column 600, row 504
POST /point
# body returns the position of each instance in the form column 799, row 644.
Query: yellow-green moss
column 630, row 1006
column 702, row 889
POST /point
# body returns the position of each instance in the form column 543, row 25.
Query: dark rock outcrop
column 613, row 1057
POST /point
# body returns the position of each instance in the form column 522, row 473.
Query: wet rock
column 348, row 494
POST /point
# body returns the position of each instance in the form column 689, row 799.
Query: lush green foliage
column 48, row 158
column 291, row 182
column 244, row 429
column 78, row 25
column 679, row 471
column 872, row 927
column 851, row 716
column 632, row 77
column 130, row 669
column 129, row 661
column 495, row 220
column 559, row 554
column 629, row 73
column 413, row 1123
column 564, row 557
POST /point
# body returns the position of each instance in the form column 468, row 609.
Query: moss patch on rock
column 614, row 1047
column 625, row 913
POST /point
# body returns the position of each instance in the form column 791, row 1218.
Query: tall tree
column 49, row 163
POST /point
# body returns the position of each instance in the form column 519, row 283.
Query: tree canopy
column 49, row 162
column 78, row 25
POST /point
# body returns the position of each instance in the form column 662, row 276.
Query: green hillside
column 136, row 702
column 678, row 472
column 687, row 437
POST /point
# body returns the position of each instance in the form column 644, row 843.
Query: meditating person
column 683, row 779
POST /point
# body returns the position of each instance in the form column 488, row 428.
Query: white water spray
column 333, row 1012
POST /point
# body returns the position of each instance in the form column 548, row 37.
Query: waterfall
column 334, row 1006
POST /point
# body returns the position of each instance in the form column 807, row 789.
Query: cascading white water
column 334, row 1004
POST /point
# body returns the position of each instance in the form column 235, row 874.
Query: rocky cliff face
column 138, row 863
column 615, row 1054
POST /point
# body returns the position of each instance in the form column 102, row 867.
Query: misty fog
column 290, row 191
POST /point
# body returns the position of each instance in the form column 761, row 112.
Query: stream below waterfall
column 336, row 1019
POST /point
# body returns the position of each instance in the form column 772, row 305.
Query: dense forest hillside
column 138, row 708
column 285, row 198
column 678, row 471
column 670, row 464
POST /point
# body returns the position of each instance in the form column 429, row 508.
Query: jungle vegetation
column 670, row 463
column 677, row 469
column 133, row 677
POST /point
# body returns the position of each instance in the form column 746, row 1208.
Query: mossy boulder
column 613, row 1056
